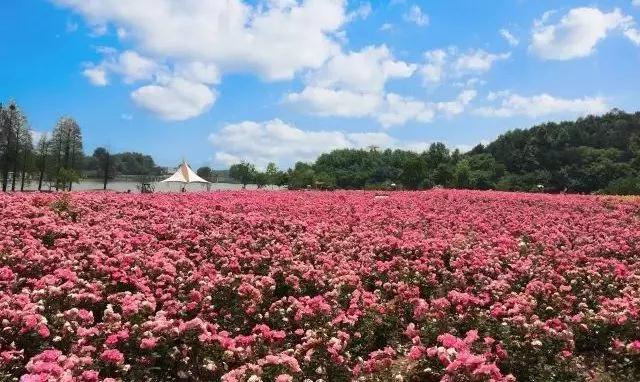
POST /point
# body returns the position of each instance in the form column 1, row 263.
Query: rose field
column 319, row 286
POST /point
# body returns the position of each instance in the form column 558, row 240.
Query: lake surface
column 123, row 186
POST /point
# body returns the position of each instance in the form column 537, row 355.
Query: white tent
column 184, row 175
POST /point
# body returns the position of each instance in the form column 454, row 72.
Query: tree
column 67, row 151
column 133, row 163
column 13, row 129
column 205, row 173
column 261, row 179
column 413, row 172
column 26, row 161
column 301, row 176
column 104, row 164
column 242, row 172
column 41, row 161
column 272, row 173
column 67, row 176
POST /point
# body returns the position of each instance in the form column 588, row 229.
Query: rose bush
column 307, row 286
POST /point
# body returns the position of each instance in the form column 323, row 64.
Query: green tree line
column 56, row 159
column 591, row 154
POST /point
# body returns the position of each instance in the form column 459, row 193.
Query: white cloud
column 458, row 105
column 232, row 34
column 441, row 64
column 282, row 143
column 198, row 71
column 477, row 61
column 128, row 64
column 386, row 27
column 399, row 110
column 96, row 75
column 416, row 16
column 362, row 12
column 433, row 70
column 511, row 105
column 133, row 67
column 353, row 85
column 126, row 117
column 177, row 99
column 273, row 140
column 635, row 3
column 633, row 35
column 509, row 37
column 199, row 41
column 576, row 34
column 330, row 102
column 365, row 71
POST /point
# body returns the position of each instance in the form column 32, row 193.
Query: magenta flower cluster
column 319, row 286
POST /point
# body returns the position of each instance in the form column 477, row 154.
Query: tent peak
column 184, row 174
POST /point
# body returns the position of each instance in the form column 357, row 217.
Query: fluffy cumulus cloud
column 477, row 61
column 353, row 85
column 232, row 34
column 128, row 64
column 510, row 104
column 417, row 16
column 335, row 102
column 176, row 99
column 398, row 110
column 577, row 33
column 367, row 70
column 283, row 143
column 451, row 63
column 96, row 76
column 458, row 105
column 197, row 41
column 361, row 12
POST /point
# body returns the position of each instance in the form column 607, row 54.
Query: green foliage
column 65, row 177
column 205, row 173
column 592, row 154
column 261, row 179
column 301, row 176
column 243, row 173
column 624, row 186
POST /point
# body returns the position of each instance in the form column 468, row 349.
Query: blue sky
column 284, row 80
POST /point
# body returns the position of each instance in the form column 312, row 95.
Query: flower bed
column 289, row 286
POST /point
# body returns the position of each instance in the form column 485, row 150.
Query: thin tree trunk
column 24, row 167
column 5, row 176
column 106, row 171
column 43, row 163
column 58, row 158
column 73, row 163
column 15, row 160
column 40, row 178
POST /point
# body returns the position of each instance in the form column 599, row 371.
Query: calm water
column 123, row 186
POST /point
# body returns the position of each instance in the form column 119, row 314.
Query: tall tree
column 272, row 173
column 67, row 146
column 26, row 144
column 42, row 153
column 13, row 125
column 104, row 164
column 6, row 134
